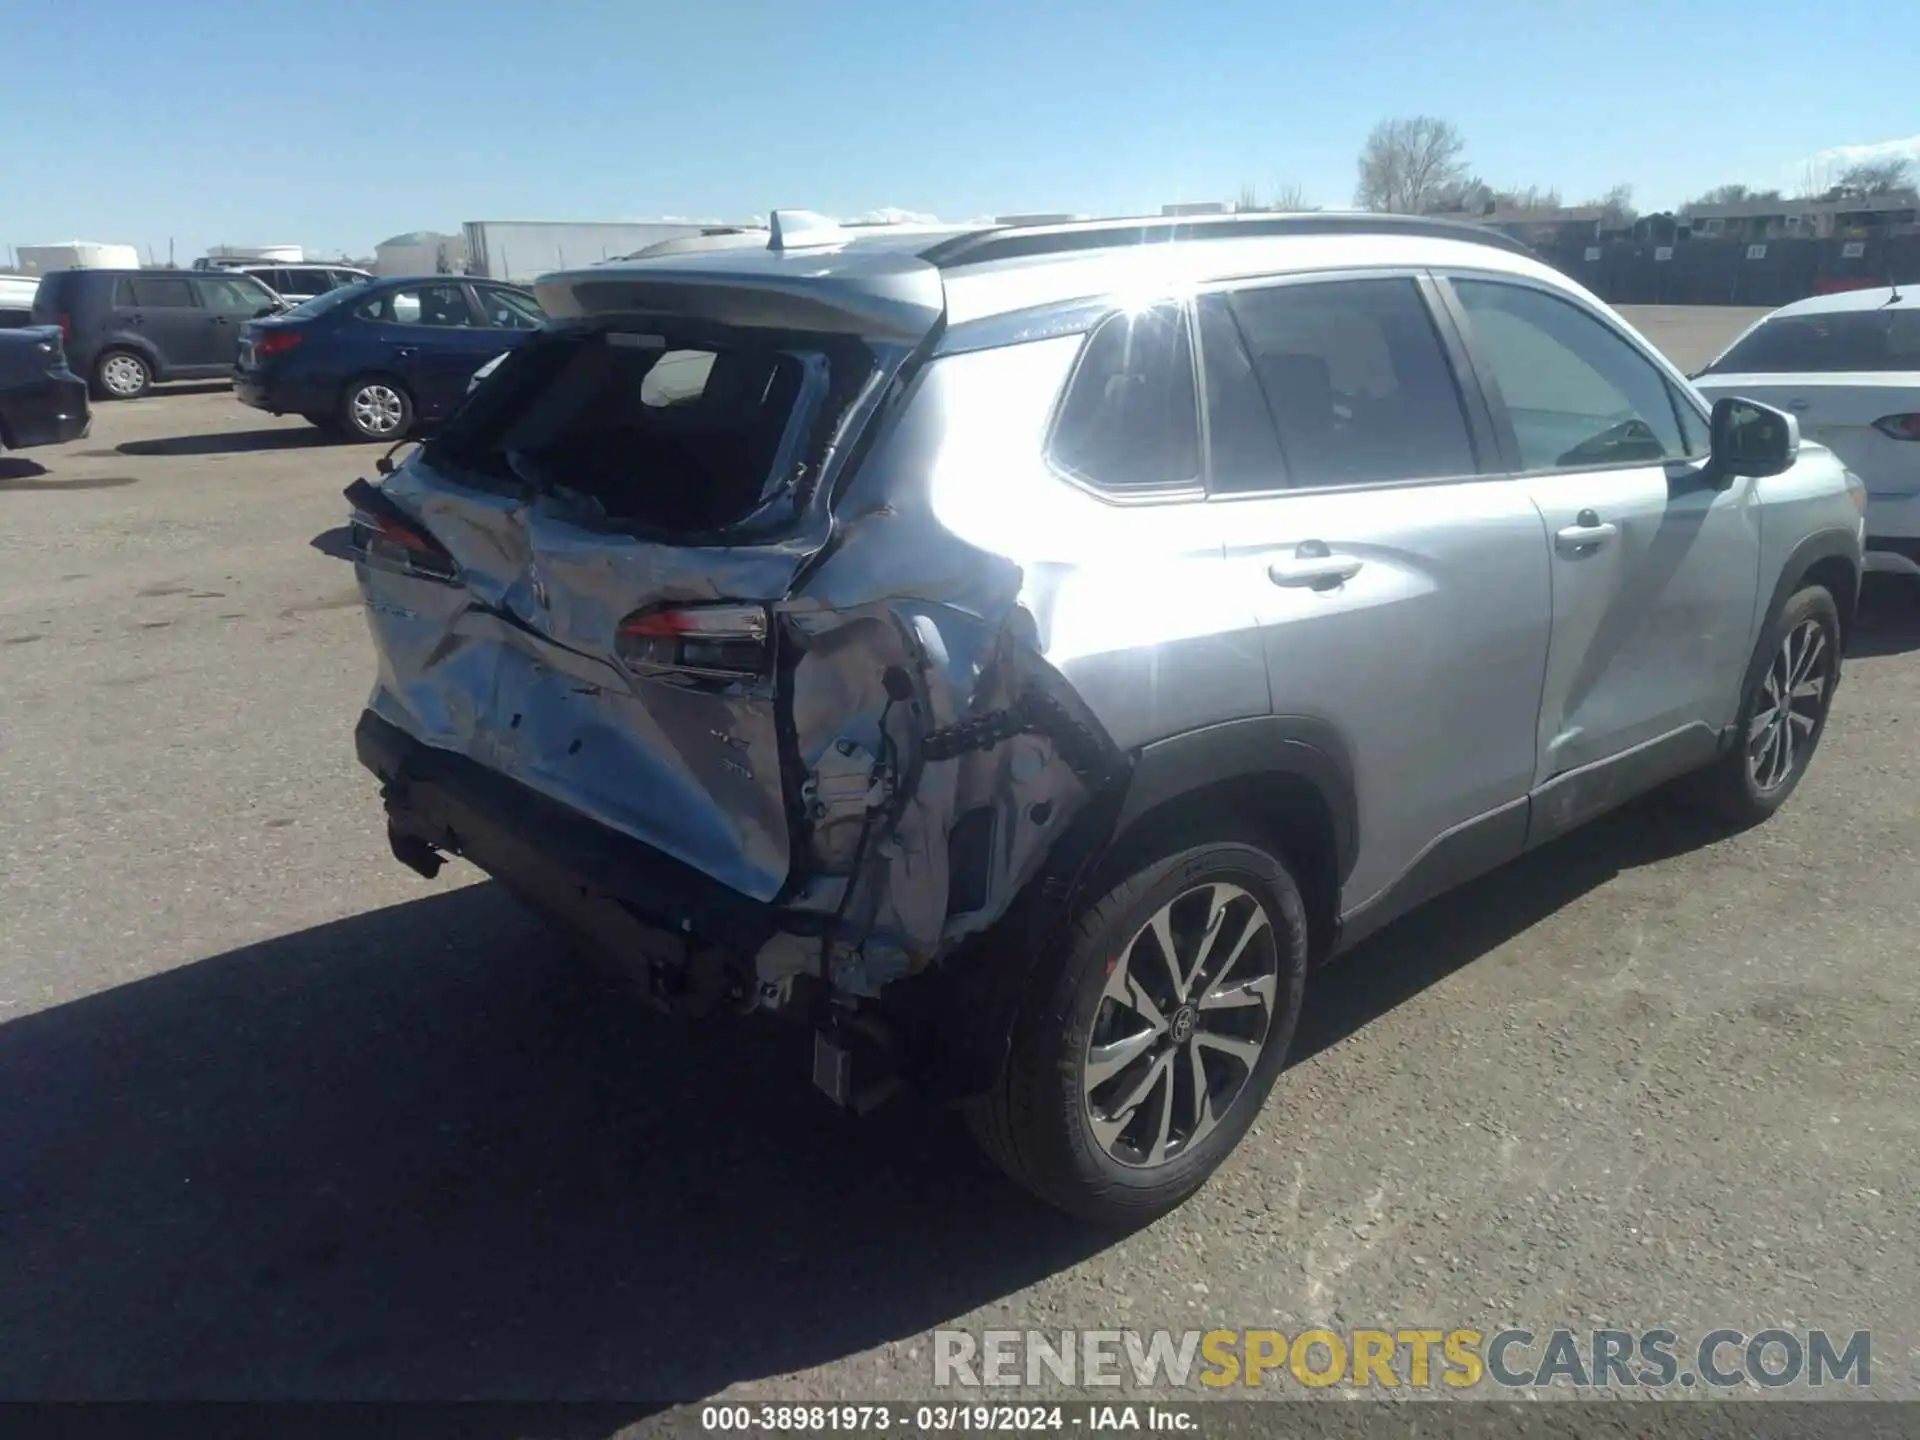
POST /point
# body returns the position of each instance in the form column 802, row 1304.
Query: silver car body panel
column 976, row 644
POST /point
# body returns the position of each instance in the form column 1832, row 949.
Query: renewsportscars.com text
column 1403, row 1358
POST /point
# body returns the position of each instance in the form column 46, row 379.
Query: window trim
column 474, row 314
column 1177, row 492
column 1679, row 391
column 1483, row 437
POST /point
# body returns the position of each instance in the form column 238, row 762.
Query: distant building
column 1547, row 227
column 77, row 255
column 1826, row 218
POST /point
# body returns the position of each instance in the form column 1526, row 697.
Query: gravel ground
column 284, row 1120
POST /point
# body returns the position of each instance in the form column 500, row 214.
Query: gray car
column 1021, row 654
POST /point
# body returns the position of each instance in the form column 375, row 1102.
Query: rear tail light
column 1899, row 427
column 66, row 328
column 275, row 342
column 727, row 642
column 387, row 537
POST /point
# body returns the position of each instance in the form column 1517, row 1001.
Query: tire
column 1756, row 775
column 376, row 407
column 1104, row 986
column 121, row 375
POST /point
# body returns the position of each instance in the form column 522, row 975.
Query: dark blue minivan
column 374, row 360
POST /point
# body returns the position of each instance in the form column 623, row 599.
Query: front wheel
column 1152, row 1035
column 1782, row 717
column 376, row 408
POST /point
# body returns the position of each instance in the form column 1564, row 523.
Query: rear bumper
column 628, row 898
column 281, row 394
column 48, row 411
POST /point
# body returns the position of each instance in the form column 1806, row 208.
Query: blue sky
column 336, row 123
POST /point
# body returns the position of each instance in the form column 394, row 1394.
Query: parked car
column 297, row 283
column 1019, row 654
column 125, row 329
column 376, row 359
column 42, row 402
column 1847, row 367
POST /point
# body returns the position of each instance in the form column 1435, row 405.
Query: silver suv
column 1021, row 654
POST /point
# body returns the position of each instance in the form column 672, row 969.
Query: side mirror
column 1748, row 438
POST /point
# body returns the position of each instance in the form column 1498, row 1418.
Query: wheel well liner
column 1829, row 558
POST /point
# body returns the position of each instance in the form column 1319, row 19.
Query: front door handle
column 1313, row 567
column 405, row 352
column 1587, row 534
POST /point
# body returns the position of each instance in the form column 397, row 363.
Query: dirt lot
column 282, row 1119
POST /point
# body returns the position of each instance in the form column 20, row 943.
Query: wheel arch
column 1828, row 558
column 135, row 345
column 1289, row 776
column 356, row 378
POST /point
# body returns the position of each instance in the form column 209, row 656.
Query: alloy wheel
column 377, row 409
column 123, row 375
column 1793, row 696
column 1181, row 1024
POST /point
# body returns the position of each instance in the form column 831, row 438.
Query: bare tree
column 1411, row 165
column 1876, row 177
column 1618, row 205
column 1731, row 195
column 1285, row 199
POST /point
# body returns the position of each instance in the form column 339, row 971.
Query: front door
column 1655, row 568
column 1401, row 588
column 227, row 303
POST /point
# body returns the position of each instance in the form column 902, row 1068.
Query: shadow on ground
column 19, row 475
column 232, row 442
column 1889, row 619
column 420, row 1153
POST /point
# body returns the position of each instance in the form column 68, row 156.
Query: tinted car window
column 510, row 310
column 1841, row 340
column 1243, row 450
column 1577, row 393
column 345, row 277
column 1357, row 381
column 135, row 292
column 1130, row 420
column 442, row 305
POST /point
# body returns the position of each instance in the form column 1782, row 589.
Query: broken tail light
column 386, row 537
column 722, row 642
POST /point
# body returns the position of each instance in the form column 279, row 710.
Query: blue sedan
column 377, row 359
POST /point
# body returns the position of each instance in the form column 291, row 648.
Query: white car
column 1847, row 367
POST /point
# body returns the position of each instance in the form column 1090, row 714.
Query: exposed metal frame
column 1019, row 242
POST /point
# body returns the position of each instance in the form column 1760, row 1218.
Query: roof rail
column 1011, row 242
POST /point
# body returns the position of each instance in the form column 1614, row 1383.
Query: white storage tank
column 77, row 255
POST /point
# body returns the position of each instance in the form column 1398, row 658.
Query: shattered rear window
column 664, row 432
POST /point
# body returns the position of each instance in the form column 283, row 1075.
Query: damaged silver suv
column 1020, row 654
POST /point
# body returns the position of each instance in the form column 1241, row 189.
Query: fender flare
column 1821, row 545
column 1299, row 746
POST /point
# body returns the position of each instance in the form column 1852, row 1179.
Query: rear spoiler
column 889, row 297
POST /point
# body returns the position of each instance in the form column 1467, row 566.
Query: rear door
column 1655, row 568
column 1401, row 587
column 165, row 311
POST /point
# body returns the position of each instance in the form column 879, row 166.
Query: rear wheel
column 121, row 375
column 376, row 408
column 1153, row 1035
column 1783, row 715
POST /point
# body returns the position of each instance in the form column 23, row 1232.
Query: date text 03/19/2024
column 934, row 1419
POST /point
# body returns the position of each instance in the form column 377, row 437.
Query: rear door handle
column 1313, row 567
column 1587, row 533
